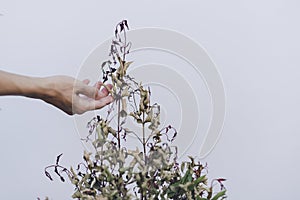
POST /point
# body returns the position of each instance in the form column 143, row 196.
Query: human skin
column 66, row 93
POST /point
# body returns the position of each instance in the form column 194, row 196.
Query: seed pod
column 123, row 112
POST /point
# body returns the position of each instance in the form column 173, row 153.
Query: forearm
column 66, row 93
column 13, row 84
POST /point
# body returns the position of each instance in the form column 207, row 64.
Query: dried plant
column 113, row 171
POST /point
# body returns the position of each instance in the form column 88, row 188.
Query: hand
column 75, row 97
column 66, row 93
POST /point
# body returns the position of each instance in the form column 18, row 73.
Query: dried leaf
column 48, row 175
column 57, row 158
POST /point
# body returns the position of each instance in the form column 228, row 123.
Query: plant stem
column 101, row 155
column 144, row 147
column 124, row 53
column 144, row 138
column 119, row 116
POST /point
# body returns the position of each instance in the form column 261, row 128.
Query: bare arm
column 66, row 93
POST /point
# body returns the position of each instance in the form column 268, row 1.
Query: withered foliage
column 113, row 171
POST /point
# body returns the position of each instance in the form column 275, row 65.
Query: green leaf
column 220, row 194
column 199, row 180
column 187, row 177
column 196, row 182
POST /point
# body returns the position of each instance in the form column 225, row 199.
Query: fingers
column 85, row 89
column 85, row 104
column 103, row 92
column 93, row 98
column 89, row 91
column 92, row 92
column 97, row 104
column 86, row 81
column 98, row 85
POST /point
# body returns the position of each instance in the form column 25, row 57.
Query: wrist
column 38, row 88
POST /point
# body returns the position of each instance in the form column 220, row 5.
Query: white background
column 255, row 45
